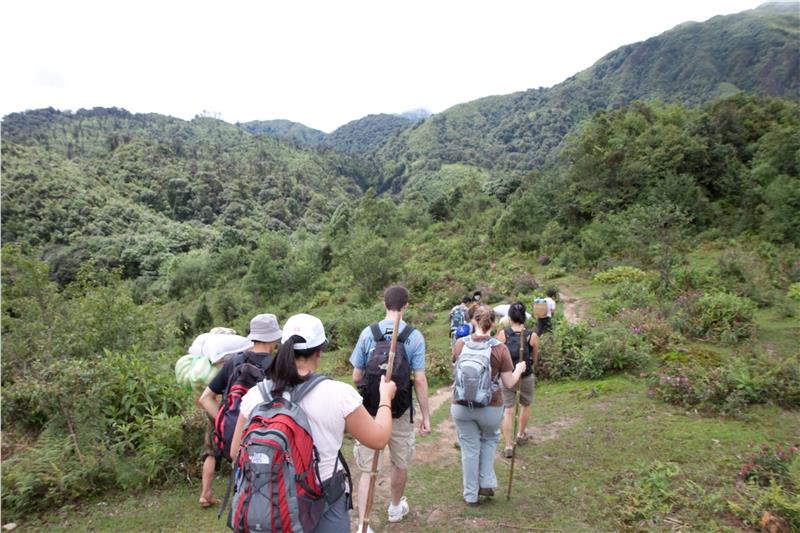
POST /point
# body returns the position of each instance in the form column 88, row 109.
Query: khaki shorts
column 525, row 393
column 401, row 447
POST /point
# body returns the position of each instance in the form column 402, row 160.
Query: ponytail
column 284, row 370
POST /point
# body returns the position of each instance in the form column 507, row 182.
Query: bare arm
column 421, row 388
column 534, row 348
column 372, row 433
column 209, row 402
column 501, row 335
column 510, row 378
column 358, row 375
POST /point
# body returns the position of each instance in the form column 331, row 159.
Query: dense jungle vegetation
column 125, row 235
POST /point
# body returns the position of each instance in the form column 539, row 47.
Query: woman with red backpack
column 328, row 407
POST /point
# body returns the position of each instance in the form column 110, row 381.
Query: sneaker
column 509, row 453
column 396, row 513
column 488, row 492
column 361, row 527
column 472, row 504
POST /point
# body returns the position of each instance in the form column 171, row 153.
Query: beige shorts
column 401, row 447
column 525, row 393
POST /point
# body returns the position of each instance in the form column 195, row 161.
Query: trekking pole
column 373, row 474
column 517, row 396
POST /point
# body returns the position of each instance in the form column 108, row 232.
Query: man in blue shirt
column 401, row 444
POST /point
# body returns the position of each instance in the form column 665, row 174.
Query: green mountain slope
column 286, row 129
column 131, row 190
column 365, row 135
column 754, row 51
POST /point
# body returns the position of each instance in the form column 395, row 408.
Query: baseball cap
column 307, row 326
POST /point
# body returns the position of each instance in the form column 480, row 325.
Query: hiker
column 411, row 344
column 511, row 336
column 458, row 317
column 331, row 407
column 264, row 334
column 477, row 409
column 545, row 323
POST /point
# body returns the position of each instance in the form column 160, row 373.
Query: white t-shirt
column 326, row 406
column 551, row 306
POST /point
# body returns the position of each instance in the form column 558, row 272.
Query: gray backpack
column 473, row 383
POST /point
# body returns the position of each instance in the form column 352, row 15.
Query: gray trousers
column 478, row 433
column 335, row 519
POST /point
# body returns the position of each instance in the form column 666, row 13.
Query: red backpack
column 246, row 372
column 278, row 487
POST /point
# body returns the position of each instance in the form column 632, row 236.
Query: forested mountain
column 131, row 190
column 365, row 135
column 504, row 136
column 286, row 129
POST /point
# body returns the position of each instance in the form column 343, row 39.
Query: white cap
column 307, row 326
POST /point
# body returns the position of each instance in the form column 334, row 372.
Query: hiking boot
column 472, row 504
column 508, row 452
column 488, row 492
column 396, row 513
column 361, row 527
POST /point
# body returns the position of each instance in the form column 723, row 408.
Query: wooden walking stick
column 517, row 395
column 374, row 471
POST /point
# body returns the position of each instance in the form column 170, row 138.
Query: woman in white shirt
column 332, row 407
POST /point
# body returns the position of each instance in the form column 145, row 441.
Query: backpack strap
column 377, row 334
column 405, row 334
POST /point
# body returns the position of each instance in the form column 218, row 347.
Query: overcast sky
column 321, row 63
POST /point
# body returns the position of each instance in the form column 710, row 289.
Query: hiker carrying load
column 544, row 309
column 477, row 409
column 311, row 492
column 459, row 316
column 207, row 355
column 221, row 398
column 370, row 350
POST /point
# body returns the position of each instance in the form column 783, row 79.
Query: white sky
column 321, row 63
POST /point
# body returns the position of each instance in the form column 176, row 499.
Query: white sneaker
column 361, row 528
column 396, row 513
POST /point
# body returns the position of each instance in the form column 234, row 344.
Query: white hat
column 307, row 326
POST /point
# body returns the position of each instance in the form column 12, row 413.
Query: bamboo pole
column 373, row 474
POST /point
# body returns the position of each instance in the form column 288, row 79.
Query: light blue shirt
column 414, row 346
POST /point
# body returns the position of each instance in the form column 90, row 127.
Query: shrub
column 619, row 274
column 717, row 315
column 731, row 386
column 794, row 292
column 648, row 492
column 581, row 351
column 626, row 295
column 106, row 422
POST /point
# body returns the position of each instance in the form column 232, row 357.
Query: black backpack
column 376, row 369
column 246, row 372
column 512, row 341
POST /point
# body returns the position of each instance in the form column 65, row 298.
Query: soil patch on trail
column 551, row 430
column 575, row 308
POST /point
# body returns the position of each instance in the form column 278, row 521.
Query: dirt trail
column 442, row 450
column 574, row 308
